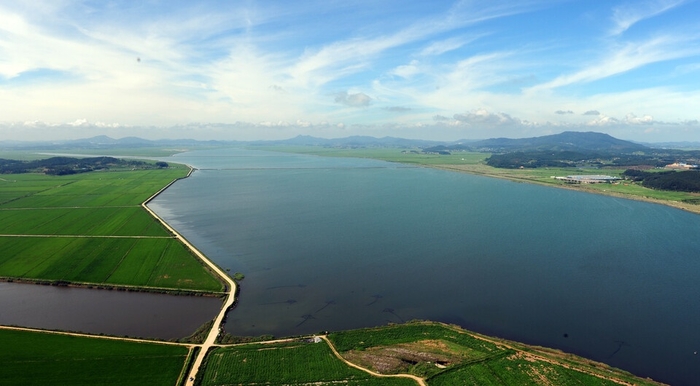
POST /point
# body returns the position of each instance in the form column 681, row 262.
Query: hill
column 566, row 141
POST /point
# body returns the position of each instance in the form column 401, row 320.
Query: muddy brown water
column 110, row 312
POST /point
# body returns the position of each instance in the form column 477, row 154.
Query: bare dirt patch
column 401, row 357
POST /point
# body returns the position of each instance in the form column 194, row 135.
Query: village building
column 587, row 179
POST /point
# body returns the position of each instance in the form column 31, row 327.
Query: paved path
column 230, row 293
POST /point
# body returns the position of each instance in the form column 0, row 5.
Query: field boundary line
column 89, row 236
column 419, row 380
column 85, row 335
column 183, row 370
column 109, row 286
column 71, row 207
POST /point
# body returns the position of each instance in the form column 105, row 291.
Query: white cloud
column 603, row 120
column 687, row 68
column 397, row 109
column 61, row 60
column 446, row 45
column 482, row 116
column 353, row 100
column 635, row 120
column 406, row 71
column 342, row 58
column 626, row 58
column 626, row 15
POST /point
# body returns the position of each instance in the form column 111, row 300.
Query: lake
column 337, row 243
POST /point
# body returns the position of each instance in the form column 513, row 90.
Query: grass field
column 447, row 355
column 34, row 358
column 516, row 371
column 440, row 354
column 405, row 333
column 287, row 363
column 90, row 228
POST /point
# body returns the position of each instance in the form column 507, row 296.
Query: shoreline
column 695, row 209
column 230, row 286
column 113, row 287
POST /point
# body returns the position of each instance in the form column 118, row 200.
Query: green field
column 516, row 371
column 404, row 333
column 466, row 358
column 34, row 358
column 286, row 363
column 438, row 353
column 90, row 228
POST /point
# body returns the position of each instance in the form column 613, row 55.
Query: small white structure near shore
column 680, row 166
column 587, row 179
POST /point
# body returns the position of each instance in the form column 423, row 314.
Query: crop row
column 139, row 262
column 516, row 371
column 133, row 221
column 105, row 203
column 33, row 358
column 284, row 364
column 87, row 189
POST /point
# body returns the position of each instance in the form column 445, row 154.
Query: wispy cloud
column 625, row 16
column 346, row 57
column 402, row 65
column 628, row 57
column 397, row 109
column 441, row 46
column 353, row 100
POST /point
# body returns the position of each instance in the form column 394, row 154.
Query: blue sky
column 443, row 70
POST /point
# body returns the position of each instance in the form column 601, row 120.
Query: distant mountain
column 349, row 142
column 566, row 141
column 105, row 142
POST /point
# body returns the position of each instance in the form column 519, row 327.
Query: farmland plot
column 290, row 363
column 34, row 358
column 90, row 228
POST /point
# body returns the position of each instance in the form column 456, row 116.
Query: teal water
column 330, row 243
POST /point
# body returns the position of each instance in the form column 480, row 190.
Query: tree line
column 538, row 159
column 66, row 165
column 684, row 181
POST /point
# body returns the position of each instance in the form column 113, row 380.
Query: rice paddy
column 90, row 228
column 37, row 358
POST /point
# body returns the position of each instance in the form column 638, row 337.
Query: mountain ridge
column 565, row 141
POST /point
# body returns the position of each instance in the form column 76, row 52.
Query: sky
column 440, row 70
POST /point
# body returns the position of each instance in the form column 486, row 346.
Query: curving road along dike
column 230, row 286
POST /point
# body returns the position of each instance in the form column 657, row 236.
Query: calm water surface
column 136, row 314
column 330, row 243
